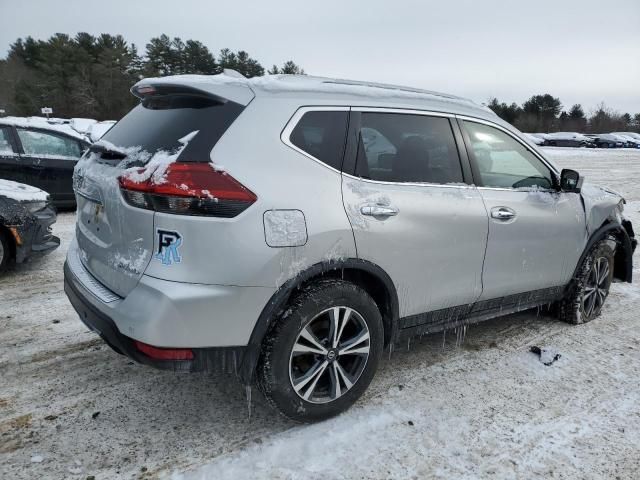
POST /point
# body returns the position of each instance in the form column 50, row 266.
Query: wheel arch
column 623, row 262
column 365, row 274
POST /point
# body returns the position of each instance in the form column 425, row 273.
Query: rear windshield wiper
column 108, row 150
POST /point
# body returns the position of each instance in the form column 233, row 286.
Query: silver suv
column 290, row 228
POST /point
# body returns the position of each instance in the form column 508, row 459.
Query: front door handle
column 378, row 211
column 502, row 213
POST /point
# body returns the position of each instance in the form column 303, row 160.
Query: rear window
column 158, row 123
column 322, row 135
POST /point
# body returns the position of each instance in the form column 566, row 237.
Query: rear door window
column 406, row 148
column 322, row 135
column 5, row 143
column 42, row 144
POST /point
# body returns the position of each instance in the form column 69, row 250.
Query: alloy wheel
column 596, row 287
column 329, row 355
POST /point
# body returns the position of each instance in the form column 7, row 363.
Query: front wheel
column 589, row 290
column 320, row 357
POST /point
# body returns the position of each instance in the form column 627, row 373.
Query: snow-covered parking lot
column 486, row 408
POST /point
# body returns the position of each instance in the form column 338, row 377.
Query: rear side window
column 396, row 147
column 46, row 144
column 322, row 135
column 159, row 123
column 5, row 144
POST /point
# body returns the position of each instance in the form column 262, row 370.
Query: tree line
column 90, row 76
column 545, row 114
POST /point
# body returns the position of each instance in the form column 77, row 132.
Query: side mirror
column 570, row 181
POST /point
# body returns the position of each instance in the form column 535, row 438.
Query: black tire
column 310, row 309
column 587, row 293
column 5, row 251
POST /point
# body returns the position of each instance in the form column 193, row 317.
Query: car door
column 536, row 232
column 49, row 159
column 412, row 209
column 10, row 166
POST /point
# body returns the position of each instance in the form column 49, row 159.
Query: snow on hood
column 42, row 123
column 21, row 192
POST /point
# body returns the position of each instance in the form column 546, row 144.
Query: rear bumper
column 215, row 322
column 221, row 359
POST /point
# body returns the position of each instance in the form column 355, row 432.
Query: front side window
column 397, row 147
column 45, row 144
column 504, row 162
column 5, row 145
column 322, row 135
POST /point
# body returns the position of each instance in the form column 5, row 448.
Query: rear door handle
column 378, row 211
column 503, row 213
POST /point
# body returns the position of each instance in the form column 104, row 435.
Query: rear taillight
column 187, row 188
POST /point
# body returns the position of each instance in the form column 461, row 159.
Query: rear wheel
column 320, row 357
column 590, row 288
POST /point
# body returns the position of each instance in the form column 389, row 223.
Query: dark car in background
column 41, row 153
column 568, row 139
column 606, row 140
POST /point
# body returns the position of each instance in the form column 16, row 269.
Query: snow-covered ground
column 72, row 408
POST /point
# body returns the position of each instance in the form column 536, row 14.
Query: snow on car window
column 44, row 144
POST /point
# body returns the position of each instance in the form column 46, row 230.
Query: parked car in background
column 538, row 140
column 26, row 217
column 41, row 153
column 542, row 136
column 568, row 139
column 98, row 129
column 357, row 217
column 606, row 140
column 630, row 141
column 633, row 135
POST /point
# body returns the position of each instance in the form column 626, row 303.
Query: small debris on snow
column 547, row 355
column 51, row 417
column 94, row 415
column 37, row 459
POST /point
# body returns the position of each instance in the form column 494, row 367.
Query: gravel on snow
column 72, row 408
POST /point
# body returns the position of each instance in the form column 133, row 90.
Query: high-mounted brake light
column 157, row 353
column 187, row 188
column 144, row 90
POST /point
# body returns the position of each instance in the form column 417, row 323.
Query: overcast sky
column 582, row 51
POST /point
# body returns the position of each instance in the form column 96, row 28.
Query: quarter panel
column 234, row 251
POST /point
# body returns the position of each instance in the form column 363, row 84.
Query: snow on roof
column 55, row 125
column 21, row 192
column 314, row 85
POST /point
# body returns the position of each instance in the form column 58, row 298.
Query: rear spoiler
column 222, row 87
